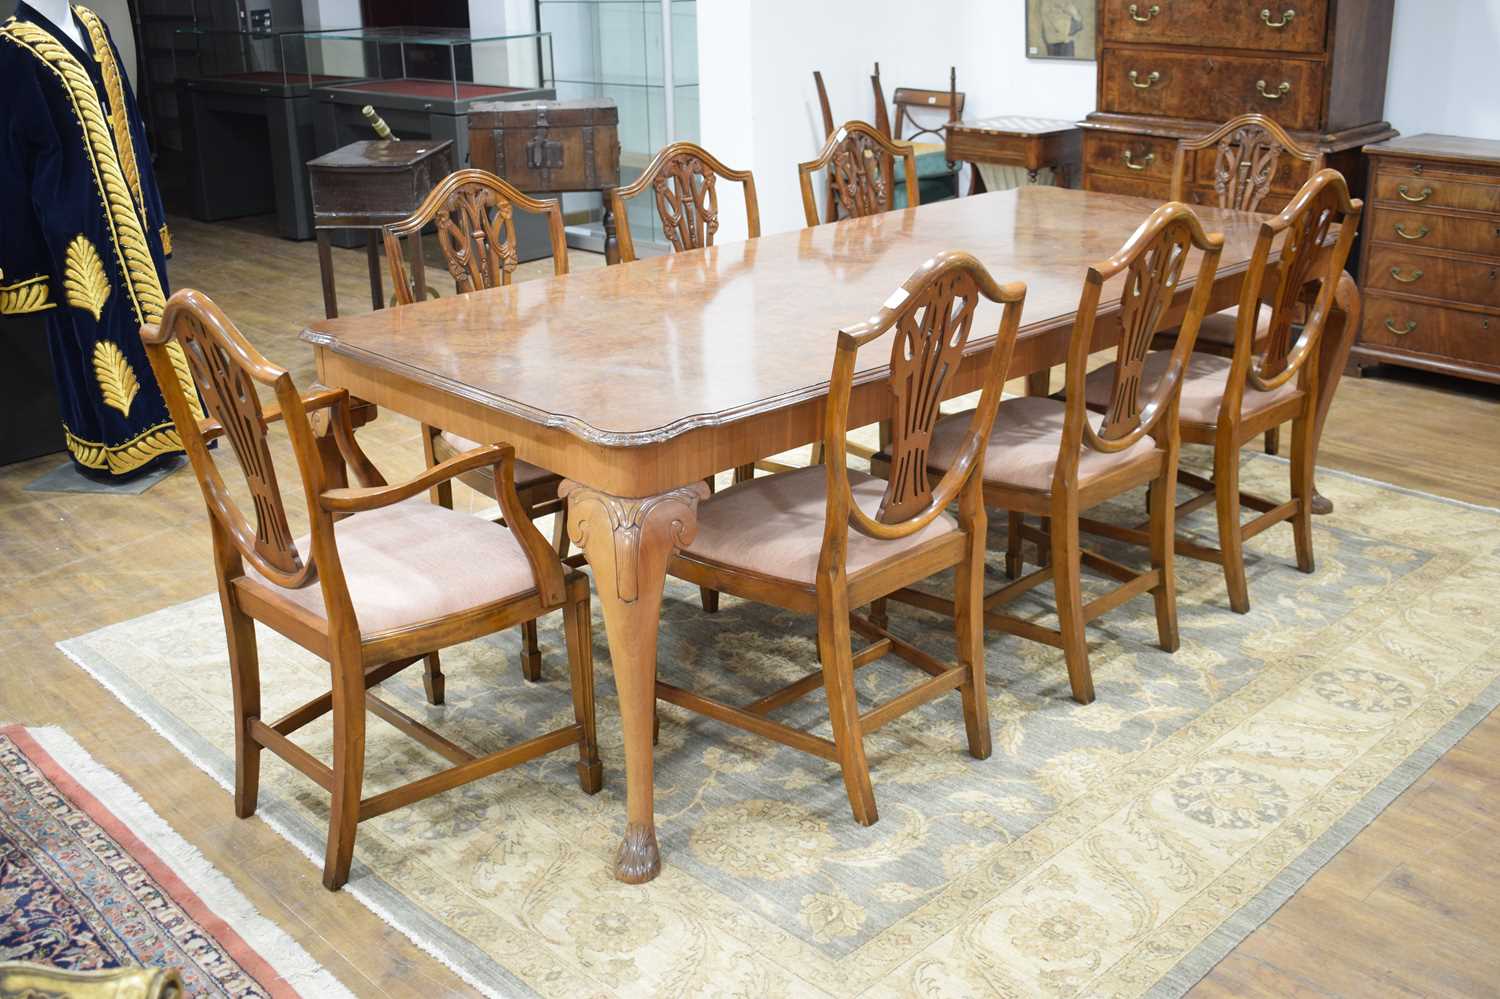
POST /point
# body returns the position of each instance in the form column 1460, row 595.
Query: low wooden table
column 367, row 185
column 1019, row 141
column 641, row 380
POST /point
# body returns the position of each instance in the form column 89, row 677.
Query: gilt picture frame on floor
column 1061, row 29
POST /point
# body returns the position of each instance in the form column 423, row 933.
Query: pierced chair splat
column 861, row 164
column 376, row 585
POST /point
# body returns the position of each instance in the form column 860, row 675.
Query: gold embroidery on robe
column 119, row 120
column 166, row 240
column 127, row 457
column 84, row 282
column 117, row 381
column 31, row 295
column 136, row 263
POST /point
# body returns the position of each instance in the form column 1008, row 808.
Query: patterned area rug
column 1118, row 849
column 91, row 878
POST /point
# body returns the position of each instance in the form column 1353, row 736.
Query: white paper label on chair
column 839, row 135
column 932, row 100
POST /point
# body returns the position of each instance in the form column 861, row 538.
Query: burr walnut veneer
column 635, row 382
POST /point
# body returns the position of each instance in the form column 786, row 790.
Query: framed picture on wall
column 1060, row 29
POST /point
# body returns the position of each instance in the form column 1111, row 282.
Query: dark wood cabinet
column 1430, row 263
column 1171, row 69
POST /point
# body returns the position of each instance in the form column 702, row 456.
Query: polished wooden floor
column 1411, row 907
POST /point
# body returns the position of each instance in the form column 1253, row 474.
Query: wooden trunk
column 1171, row 70
column 548, row 146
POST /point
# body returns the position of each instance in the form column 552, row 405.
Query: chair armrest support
column 359, row 500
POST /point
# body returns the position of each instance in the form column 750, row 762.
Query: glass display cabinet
column 644, row 54
column 422, row 81
column 246, row 115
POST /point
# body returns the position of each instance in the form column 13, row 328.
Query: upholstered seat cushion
column 1202, row 387
column 414, row 562
column 1217, row 328
column 1025, row 444
column 773, row 526
column 526, row 474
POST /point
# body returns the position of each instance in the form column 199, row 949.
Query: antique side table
column 1032, row 144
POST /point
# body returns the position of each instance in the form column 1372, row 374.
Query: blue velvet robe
column 83, row 237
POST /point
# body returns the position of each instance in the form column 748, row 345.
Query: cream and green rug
column 1118, row 849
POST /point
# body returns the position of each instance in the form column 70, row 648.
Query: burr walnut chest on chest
column 1171, row 69
column 1430, row 264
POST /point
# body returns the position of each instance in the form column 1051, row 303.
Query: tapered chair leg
column 560, row 530
column 432, row 678
column 531, row 653
column 709, row 598
column 836, row 654
column 880, row 614
column 1014, row 561
column 578, row 631
column 442, row 493
column 1163, row 530
column 348, row 766
column 1231, row 536
column 1303, row 490
column 968, row 628
column 244, row 673
column 1067, row 572
column 1273, row 440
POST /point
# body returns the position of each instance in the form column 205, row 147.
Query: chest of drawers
column 1430, row 260
column 1171, row 69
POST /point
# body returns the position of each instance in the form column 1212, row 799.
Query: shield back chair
column 376, row 585
column 936, row 175
column 474, row 213
column 1269, row 379
column 1050, row 458
column 860, row 162
column 825, row 539
column 1248, row 155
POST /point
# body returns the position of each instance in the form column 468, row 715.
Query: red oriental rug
column 92, row 878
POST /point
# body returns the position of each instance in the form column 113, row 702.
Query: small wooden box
column 548, row 146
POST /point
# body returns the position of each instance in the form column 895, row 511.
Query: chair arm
column 358, row 500
column 316, row 399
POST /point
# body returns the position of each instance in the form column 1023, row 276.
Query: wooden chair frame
column 228, row 370
column 1283, row 355
column 474, row 212
column 1152, row 261
column 860, row 163
column 924, row 353
column 1249, row 149
column 689, row 210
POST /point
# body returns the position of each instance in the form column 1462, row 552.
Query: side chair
column 374, row 587
column 826, row 539
column 1050, row 458
column 684, row 179
column 860, row 162
column 474, row 213
column 1268, row 380
column 1248, row 152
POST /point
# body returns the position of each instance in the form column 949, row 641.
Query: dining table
column 637, row 382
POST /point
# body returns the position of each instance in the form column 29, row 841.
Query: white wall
column 760, row 108
column 1445, row 68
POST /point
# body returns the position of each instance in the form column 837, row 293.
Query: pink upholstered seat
column 1202, row 387
column 414, row 562
column 1025, row 444
column 773, row 526
column 526, row 474
column 1218, row 328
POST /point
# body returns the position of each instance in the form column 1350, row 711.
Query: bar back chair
column 684, row 178
column 860, row 162
column 375, row 586
column 1050, row 458
column 474, row 213
column 1268, row 380
column 824, row 540
column 933, row 165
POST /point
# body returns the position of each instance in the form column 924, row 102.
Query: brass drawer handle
column 1280, row 92
column 1135, row 13
column 1286, row 18
column 1416, row 276
column 1418, row 199
column 1401, row 231
column 1390, row 324
column 1135, row 80
column 1130, row 162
